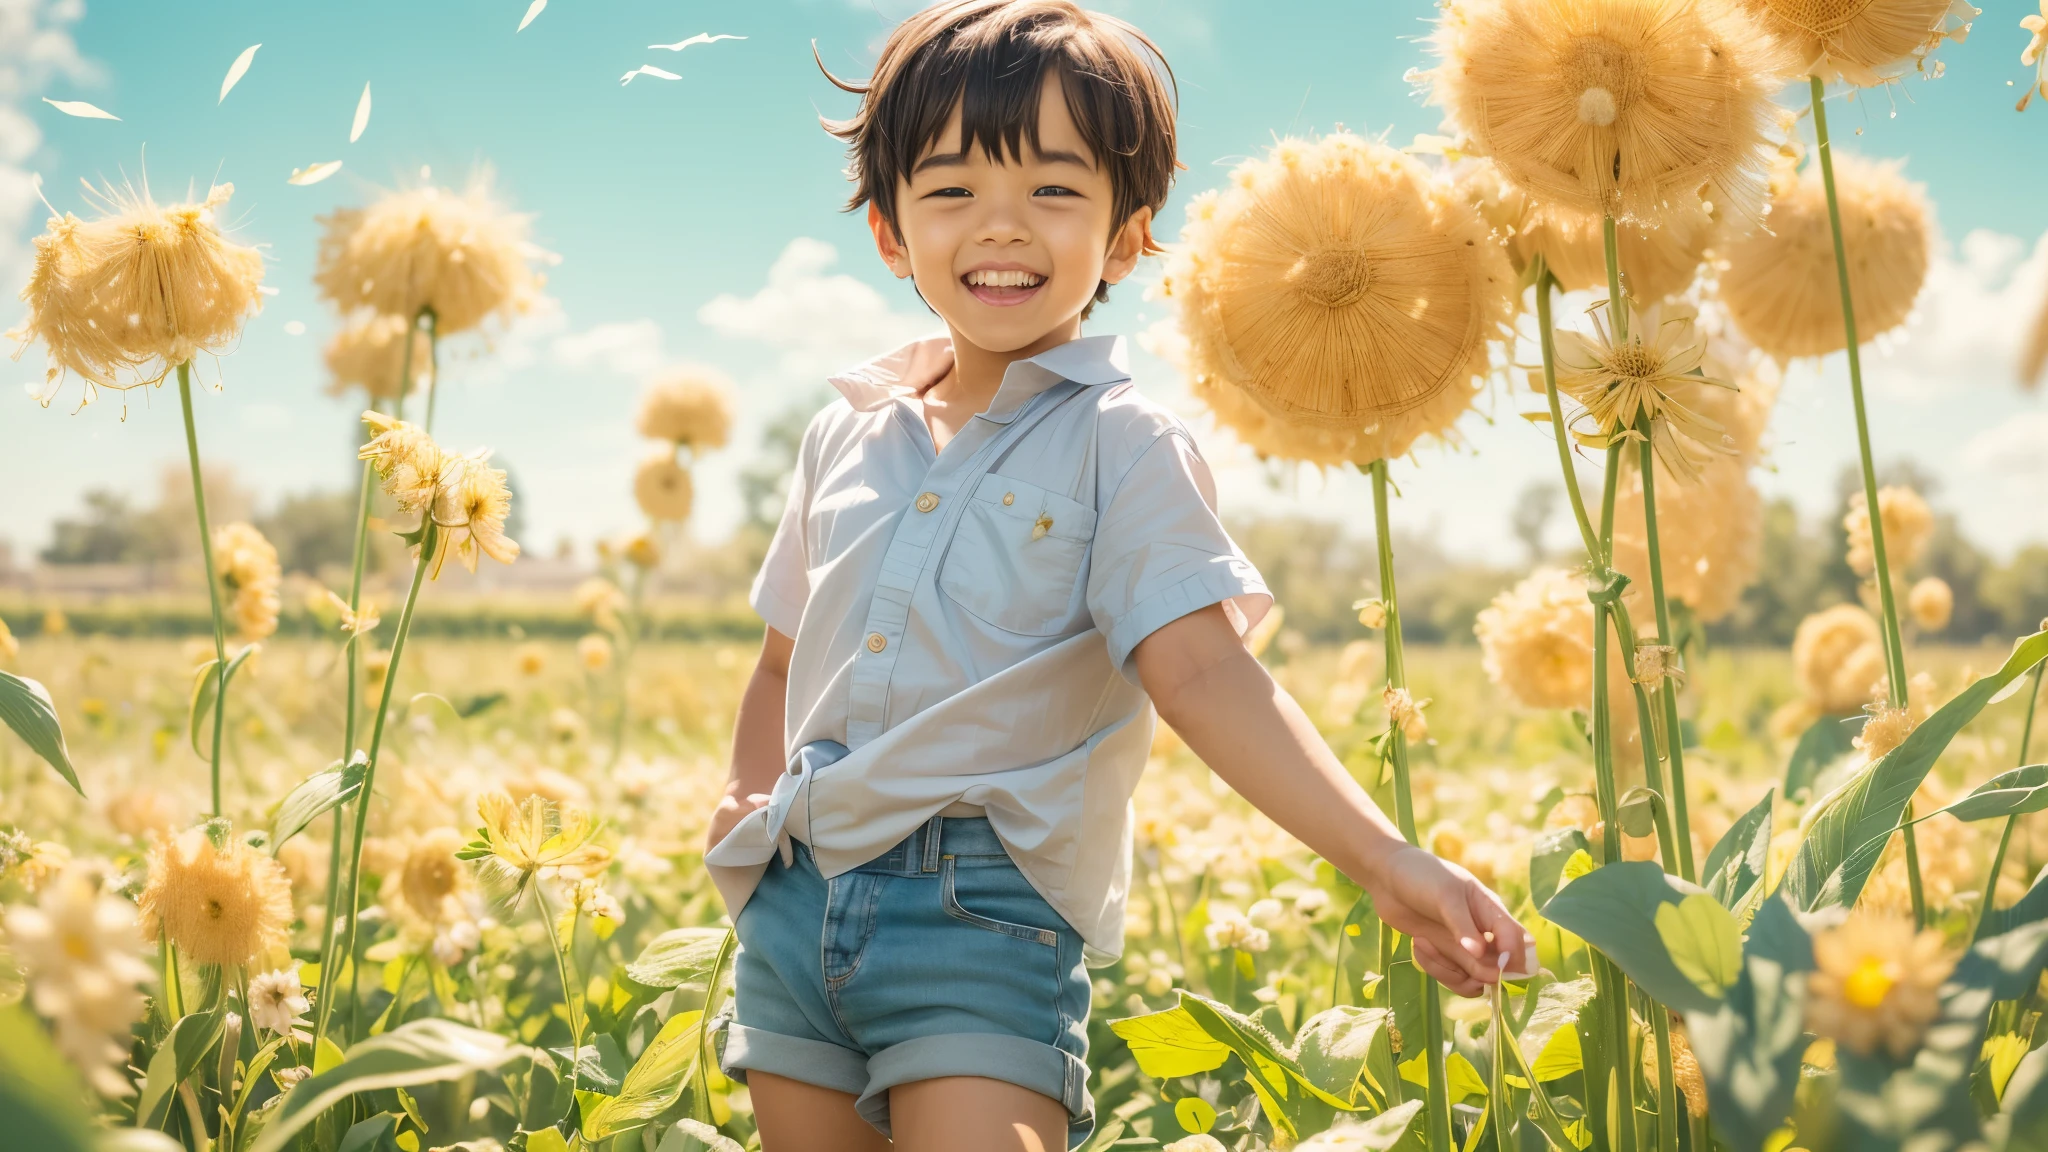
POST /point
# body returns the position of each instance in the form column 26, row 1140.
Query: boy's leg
column 797, row 1117
column 951, row 1113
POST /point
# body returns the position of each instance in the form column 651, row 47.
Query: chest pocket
column 1016, row 557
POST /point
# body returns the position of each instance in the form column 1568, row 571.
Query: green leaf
column 2023, row 1119
column 40, row 1094
column 369, row 1135
column 1616, row 909
column 2026, row 910
column 189, row 1042
column 1464, row 1080
column 1703, row 941
column 1194, row 1114
column 1332, row 1047
column 1550, row 1040
column 677, row 957
column 203, row 686
column 1170, row 1043
column 1824, row 743
column 26, row 706
column 693, row 1136
column 1749, row 1045
column 428, row 1051
column 655, row 1081
column 1547, row 859
column 327, row 1055
column 1378, row 1134
column 1736, row 866
column 1848, row 829
column 1638, row 813
column 2013, row 793
column 1358, row 942
column 318, row 793
column 546, row 1140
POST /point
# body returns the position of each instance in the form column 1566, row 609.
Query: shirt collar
column 1092, row 361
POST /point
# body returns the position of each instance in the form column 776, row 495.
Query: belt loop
column 931, row 843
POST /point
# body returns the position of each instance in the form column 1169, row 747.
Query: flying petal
column 355, row 131
column 80, row 109
column 314, row 173
column 699, row 38
column 237, row 70
column 647, row 70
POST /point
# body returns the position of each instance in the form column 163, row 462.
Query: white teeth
column 1004, row 278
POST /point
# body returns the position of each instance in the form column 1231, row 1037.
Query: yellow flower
column 366, row 354
column 1710, row 533
column 1864, row 42
column 1638, row 109
column 641, row 551
column 354, row 621
column 431, row 877
column 1876, row 982
column 1655, row 263
column 78, row 949
column 1536, row 640
column 407, row 459
column 689, row 405
column 124, row 299
column 1886, row 729
column 1651, row 375
column 1780, row 284
column 522, row 840
column 248, row 568
column 1336, row 303
column 1404, row 711
column 600, row 599
column 1931, row 601
column 595, row 651
column 471, row 508
column 662, row 487
column 460, row 256
column 375, row 664
column 9, row 646
column 1838, row 659
column 226, row 905
column 531, row 658
column 1908, row 525
column 1447, row 841
column 2032, row 56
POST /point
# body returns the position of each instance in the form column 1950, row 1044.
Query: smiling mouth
column 1003, row 286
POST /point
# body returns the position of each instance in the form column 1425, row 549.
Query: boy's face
column 1009, row 252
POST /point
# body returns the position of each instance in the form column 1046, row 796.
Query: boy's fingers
column 1447, row 973
column 1510, row 939
column 1458, row 922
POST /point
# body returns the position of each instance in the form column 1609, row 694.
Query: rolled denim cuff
column 792, row 1057
column 1040, row 1067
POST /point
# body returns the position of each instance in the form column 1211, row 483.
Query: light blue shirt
column 964, row 620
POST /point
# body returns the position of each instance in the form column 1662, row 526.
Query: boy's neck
column 977, row 372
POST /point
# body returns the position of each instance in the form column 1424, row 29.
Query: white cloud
column 2012, row 453
column 823, row 321
column 1979, row 300
column 628, row 347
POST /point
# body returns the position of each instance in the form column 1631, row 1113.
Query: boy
column 997, row 559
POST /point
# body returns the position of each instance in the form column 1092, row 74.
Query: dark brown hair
column 991, row 58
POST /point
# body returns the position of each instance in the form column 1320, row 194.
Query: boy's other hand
column 730, row 811
column 1461, row 929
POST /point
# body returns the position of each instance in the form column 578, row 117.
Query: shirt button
column 1009, row 498
column 877, row 642
column 927, row 501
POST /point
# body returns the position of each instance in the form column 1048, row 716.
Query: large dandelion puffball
column 460, row 255
column 366, row 354
column 689, row 405
column 1779, row 282
column 1838, row 659
column 123, row 299
column 1536, row 640
column 1337, row 303
column 1908, row 526
column 1638, row 109
column 1865, row 42
column 662, row 487
column 1709, row 534
column 1655, row 263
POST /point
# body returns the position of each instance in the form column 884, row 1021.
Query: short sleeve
column 1161, row 552
column 783, row 584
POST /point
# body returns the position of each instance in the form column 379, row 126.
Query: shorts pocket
column 1016, row 557
column 1001, row 898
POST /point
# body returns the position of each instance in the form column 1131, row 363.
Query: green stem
column 220, row 633
column 429, row 531
column 1497, row 1102
column 1914, row 889
column 433, row 359
column 1668, row 1106
column 569, row 999
column 1438, row 1107
column 706, row 1057
column 1617, row 304
column 1615, row 988
column 1894, row 648
column 1544, row 282
column 1674, row 741
column 1984, row 906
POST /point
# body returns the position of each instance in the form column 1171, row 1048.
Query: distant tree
column 764, row 482
column 1793, row 581
column 313, row 530
column 110, row 532
column 1531, row 515
column 2016, row 593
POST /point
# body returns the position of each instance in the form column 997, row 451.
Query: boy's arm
column 758, row 756
column 1219, row 699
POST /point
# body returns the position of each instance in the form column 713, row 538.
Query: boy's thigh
column 797, row 1117
column 958, row 1112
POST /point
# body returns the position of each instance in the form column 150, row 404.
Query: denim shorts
column 936, row 958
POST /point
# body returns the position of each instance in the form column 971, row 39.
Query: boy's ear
column 1131, row 241
column 888, row 243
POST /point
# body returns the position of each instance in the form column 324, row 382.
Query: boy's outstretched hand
column 1249, row 731
column 1463, row 935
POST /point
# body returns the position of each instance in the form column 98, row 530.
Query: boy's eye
column 1055, row 190
column 955, row 191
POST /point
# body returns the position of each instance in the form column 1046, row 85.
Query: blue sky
column 698, row 219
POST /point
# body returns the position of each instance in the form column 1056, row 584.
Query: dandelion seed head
column 227, row 905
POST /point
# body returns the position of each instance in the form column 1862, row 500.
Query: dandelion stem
column 1438, row 1107
column 1613, row 985
column 1674, row 740
column 569, row 1005
column 1984, row 906
column 1544, row 282
column 1502, row 1116
column 1617, row 305
column 428, row 543
column 220, row 634
column 433, row 359
column 1667, row 1082
column 1894, row 649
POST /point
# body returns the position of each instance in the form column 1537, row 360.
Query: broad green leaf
column 203, row 687
column 140, row 1140
column 1547, row 859
column 1824, row 743
column 1749, row 1045
column 2022, row 1121
column 655, row 1081
column 27, row 708
column 1550, row 1040
column 1358, row 943
column 1194, row 1114
column 677, row 957
column 1848, row 829
column 2002, row 1055
column 1703, row 941
column 2026, row 910
column 1332, row 1047
column 369, row 1135
column 327, row 1055
column 40, row 1094
column 2013, row 793
column 692, row 1136
column 427, row 1051
column 318, row 793
column 1170, row 1043
column 1735, row 868
column 1465, row 1081
column 190, row 1040
column 546, row 1140
column 1379, row 1134
column 1616, row 908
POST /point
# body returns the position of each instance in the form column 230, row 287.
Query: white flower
column 454, row 943
column 277, row 1001
column 1263, row 912
column 1311, row 902
column 77, row 947
column 1229, row 928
